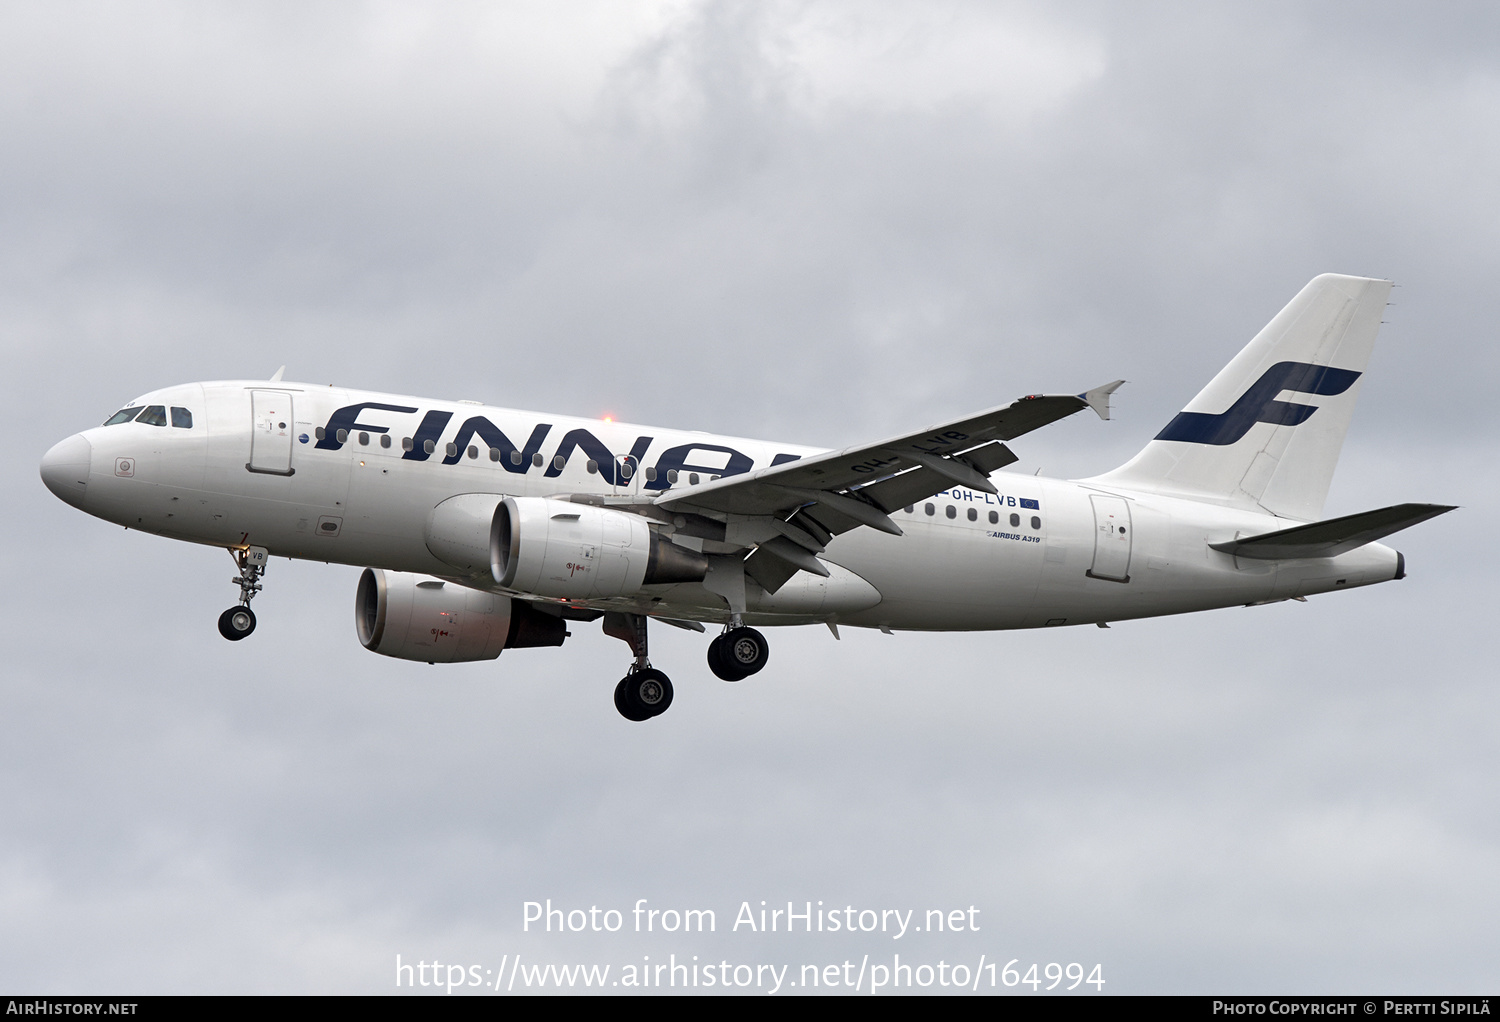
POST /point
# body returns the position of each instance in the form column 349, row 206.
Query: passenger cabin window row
column 973, row 515
column 152, row 415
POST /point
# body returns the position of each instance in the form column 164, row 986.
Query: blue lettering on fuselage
column 676, row 458
column 431, row 429
column 511, row 459
column 523, row 459
column 347, row 418
column 602, row 456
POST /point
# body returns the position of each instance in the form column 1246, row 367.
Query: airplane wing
column 803, row 504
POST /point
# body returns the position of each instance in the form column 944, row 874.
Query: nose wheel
column 738, row 653
column 239, row 621
column 236, row 623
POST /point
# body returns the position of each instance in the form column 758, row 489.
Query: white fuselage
column 253, row 470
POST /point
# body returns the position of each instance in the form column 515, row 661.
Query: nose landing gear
column 239, row 621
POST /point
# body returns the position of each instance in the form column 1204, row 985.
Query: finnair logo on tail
column 1259, row 404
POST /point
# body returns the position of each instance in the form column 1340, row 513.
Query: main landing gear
column 239, row 621
column 738, row 653
column 645, row 692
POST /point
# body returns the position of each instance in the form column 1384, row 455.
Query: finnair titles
column 485, row 529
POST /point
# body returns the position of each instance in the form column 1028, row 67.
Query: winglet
column 1098, row 398
column 276, row 378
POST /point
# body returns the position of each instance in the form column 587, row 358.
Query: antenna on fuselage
column 276, row 377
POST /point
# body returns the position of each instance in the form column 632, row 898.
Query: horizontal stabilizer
column 1333, row 537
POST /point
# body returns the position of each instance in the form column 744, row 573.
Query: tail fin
column 1238, row 442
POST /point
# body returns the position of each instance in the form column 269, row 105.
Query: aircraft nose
column 65, row 469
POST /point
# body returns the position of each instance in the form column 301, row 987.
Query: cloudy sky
column 813, row 222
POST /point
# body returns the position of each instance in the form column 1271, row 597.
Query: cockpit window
column 182, row 418
column 123, row 415
column 154, row 415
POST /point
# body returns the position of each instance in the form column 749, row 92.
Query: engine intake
column 413, row 617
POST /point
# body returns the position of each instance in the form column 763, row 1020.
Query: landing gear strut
column 738, row 653
column 239, row 621
column 645, row 692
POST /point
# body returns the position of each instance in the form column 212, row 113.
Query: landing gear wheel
column 236, row 623
column 738, row 653
column 643, row 694
column 626, row 710
column 719, row 665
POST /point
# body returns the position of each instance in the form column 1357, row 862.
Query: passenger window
column 973, row 515
column 385, row 441
column 536, row 461
column 994, row 517
column 451, row 450
column 671, row 476
column 910, row 508
column 123, row 415
column 592, row 466
column 1036, row 523
column 364, row 440
column 1015, row 521
column 473, row 452
column 182, row 418
column 154, row 415
column 951, row 511
column 428, row 446
column 929, row 509
column 692, row 478
column 558, row 461
column 650, row 473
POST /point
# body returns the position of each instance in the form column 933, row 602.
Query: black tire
column 643, row 694
column 718, row 661
column 626, row 711
column 236, row 623
column 745, row 650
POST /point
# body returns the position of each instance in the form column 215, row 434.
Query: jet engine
column 413, row 617
column 578, row 551
column 556, row 548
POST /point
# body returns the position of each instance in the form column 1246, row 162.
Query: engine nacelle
column 418, row 618
column 564, row 550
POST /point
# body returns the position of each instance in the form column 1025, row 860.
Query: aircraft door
column 271, row 424
column 1112, row 538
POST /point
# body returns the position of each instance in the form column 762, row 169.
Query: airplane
column 482, row 529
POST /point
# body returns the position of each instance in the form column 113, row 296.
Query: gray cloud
column 813, row 222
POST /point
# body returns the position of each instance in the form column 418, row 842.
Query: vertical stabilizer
column 1266, row 433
